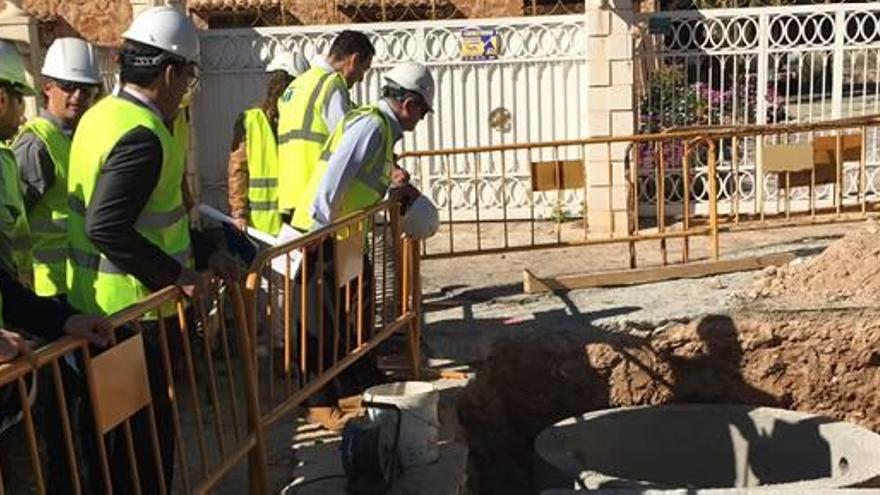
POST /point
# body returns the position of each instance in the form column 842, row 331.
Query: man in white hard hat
column 253, row 156
column 355, row 172
column 315, row 103
column 71, row 80
column 41, row 318
column 128, row 228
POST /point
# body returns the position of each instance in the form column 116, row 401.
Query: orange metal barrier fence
column 118, row 437
column 223, row 388
column 678, row 184
column 359, row 282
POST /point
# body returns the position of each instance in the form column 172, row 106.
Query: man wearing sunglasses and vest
column 71, row 80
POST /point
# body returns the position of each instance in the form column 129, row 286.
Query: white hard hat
column 422, row 219
column 413, row 77
column 292, row 63
column 168, row 29
column 71, row 59
column 12, row 68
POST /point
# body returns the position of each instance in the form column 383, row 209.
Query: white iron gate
column 537, row 78
column 760, row 65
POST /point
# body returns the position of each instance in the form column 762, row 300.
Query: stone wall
column 610, row 111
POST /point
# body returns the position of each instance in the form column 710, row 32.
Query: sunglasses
column 72, row 87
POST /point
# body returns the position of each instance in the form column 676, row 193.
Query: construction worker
column 354, row 172
column 127, row 225
column 315, row 103
column 40, row 318
column 71, row 80
column 15, row 241
column 253, row 157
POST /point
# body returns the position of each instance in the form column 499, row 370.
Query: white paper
column 286, row 234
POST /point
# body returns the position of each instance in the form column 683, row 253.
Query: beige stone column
column 610, row 108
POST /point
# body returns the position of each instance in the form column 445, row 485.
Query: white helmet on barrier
column 414, row 77
column 168, row 29
column 292, row 63
column 12, row 68
column 71, row 59
column 422, row 219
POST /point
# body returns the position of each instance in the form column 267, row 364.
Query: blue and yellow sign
column 479, row 44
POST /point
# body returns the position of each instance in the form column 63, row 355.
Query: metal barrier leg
column 415, row 326
column 258, row 472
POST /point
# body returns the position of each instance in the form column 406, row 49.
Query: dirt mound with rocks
column 821, row 362
column 846, row 273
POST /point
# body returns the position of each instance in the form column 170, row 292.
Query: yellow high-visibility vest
column 302, row 131
column 95, row 284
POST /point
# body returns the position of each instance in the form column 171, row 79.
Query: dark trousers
column 140, row 425
column 321, row 280
column 83, row 426
column 79, row 414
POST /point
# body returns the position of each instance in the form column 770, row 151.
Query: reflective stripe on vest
column 371, row 181
column 98, row 263
column 302, row 131
column 147, row 220
column 262, row 162
column 18, row 233
column 95, row 284
column 48, row 218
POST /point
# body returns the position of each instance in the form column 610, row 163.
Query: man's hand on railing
column 11, row 345
column 225, row 266
column 405, row 195
column 192, row 283
column 93, row 328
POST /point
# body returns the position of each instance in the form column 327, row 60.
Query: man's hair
column 141, row 64
column 399, row 94
column 275, row 86
column 350, row 42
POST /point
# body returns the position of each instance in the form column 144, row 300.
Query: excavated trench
column 807, row 339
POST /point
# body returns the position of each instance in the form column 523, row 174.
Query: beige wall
column 610, row 111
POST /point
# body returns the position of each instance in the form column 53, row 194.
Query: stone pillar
column 610, row 112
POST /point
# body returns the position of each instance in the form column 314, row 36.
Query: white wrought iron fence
column 756, row 66
column 531, row 92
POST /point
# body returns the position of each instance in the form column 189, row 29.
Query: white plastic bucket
column 417, row 402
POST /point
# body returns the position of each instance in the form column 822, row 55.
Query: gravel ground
column 467, row 311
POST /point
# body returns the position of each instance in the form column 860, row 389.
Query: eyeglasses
column 193, row 82
column 191, row 73
column 72, row 86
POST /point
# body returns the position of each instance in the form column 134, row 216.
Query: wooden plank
column 825, row 148
column 788, row 157
column 121, row 387
column 533, row 284
column 557, row 175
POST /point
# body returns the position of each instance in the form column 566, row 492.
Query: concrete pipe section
column 703, row 446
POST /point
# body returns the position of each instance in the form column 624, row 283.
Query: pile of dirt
column 820, row 362
column 848, row 272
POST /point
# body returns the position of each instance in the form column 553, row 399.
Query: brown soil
column 820, row 362
column 847, row 273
